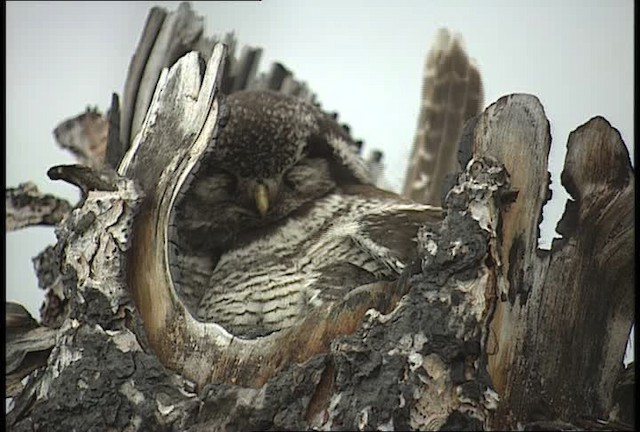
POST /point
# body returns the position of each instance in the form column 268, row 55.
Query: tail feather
column 451, row 94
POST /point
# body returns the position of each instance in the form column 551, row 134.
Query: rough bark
column 28, row 346
column 26, row 206
column 423, row 357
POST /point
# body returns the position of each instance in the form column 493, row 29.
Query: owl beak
column 262, row 199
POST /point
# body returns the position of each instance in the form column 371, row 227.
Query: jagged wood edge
column 448, row 298
column 165, row 37
column 544, row 295
column 183, row 119
column 136, row 68
column 84, row 135
column 178, row 32
column 28, row 346
column 182, row 343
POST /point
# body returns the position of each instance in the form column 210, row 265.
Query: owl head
column 275, row 155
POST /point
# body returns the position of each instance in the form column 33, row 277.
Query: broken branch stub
column 172, row 35
column 85, row 136
column 27, row 206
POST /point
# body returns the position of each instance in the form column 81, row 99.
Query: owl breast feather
column 270, row 283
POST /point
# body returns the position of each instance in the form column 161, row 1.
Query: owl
column 282, row 217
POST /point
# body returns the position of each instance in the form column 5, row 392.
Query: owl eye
column 226, row 180
column 215, row 186
column 289, row 180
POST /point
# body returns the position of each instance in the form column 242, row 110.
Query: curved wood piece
column 178, row 131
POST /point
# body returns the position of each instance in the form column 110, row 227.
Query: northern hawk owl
column 282, row 218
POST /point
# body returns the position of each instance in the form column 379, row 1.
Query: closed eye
column 307, row 173
column 290, row 181
column 299, row 175
column 216, row 186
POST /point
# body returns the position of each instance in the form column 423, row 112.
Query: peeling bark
column 26, row 206
column 423, row 359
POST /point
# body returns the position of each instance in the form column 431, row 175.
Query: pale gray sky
column 363, row 58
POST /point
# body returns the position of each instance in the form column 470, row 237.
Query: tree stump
column 483, row 331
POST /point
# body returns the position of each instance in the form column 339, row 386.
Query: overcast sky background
column 363, row 58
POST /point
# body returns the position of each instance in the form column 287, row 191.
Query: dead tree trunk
column 484, row 331
column 561, row 327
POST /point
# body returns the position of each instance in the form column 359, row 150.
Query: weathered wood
column 160, row 154
column 178, row 32
column 420, row 353
column 87, row 379
column 230, row 63
column 483, row 331
column 26, row 206
column 165, row 37
column 115, row 148
column 566, row 313
column 17, row 317
column 163, row 173
column 290, row 86
column 50, row 279
column 28, row 346
column 277, row 76
column 246, row 67
column 85, row 178
column 138, row 63
column 208, row 354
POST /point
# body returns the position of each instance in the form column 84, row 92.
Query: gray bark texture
column 484, row 331
column 26, row 206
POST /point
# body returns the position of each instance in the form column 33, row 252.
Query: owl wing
column 384, row 227
column 333, row 142
column 388, row 232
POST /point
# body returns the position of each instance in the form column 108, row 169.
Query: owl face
column 247, row 201
column 269, row 161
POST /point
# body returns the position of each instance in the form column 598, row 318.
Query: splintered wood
column 560, row 328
